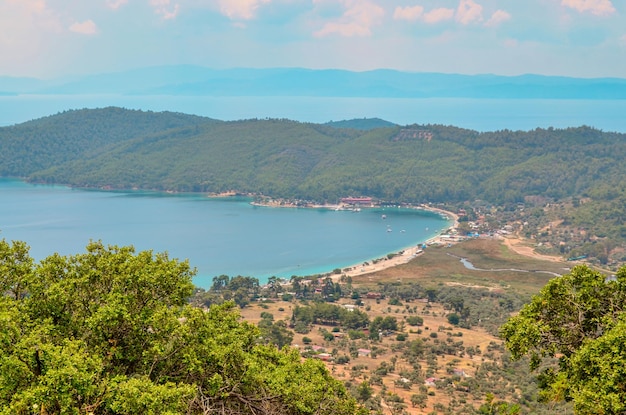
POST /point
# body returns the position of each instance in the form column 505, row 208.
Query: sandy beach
column 405, row 255
column 372, row 264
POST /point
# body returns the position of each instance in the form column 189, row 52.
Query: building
column 357, row 201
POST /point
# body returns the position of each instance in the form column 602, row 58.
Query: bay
column 476, row 114
column 218, row 236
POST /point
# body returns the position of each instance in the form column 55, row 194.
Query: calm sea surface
column 229, row 237
column 476, row 114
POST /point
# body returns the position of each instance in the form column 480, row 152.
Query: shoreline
column 401, row 257
column 370, row 265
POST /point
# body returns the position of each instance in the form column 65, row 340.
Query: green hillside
column 118, row 148
column 361, row 123
column 79, row 135
column 121, row 149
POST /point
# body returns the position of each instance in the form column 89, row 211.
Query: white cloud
column 497, row 18
column 438, row 15
column 88, row 27
column 240, row 9
column 26, row 22
column 116, row 4
column 597, row 7
column 469, row 12
column 165, row 8
column 408, row 13
column 357, row 20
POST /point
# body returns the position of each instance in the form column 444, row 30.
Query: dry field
column 436, row 267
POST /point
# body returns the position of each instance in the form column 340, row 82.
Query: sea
column 227, row 236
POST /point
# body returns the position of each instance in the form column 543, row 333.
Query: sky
column 53, row 38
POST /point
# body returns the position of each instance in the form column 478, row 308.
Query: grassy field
column 441, row 264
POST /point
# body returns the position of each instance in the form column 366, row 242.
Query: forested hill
column 123, row 149
column 80, row 135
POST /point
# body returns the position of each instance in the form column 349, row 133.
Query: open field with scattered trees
column 414, row 338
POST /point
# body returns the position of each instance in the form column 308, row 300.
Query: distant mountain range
column 196, row 80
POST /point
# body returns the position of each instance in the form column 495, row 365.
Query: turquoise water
column 229, row 237
column 476, row 114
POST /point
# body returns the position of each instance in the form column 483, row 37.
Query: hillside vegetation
column 122, row 149
column 109, row 332
column 281, row 158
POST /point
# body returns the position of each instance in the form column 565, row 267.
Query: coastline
column 403, row 256
column 374, row 264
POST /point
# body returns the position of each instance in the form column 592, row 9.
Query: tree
column 453, row 319
column 364, row 391
column 419, row 400
column 274, row 287
column 15, row 266
column 415, row 320
column 579, row 319
column 275, row 333
column 110, row 332
column 382, row 324
column 220, row 282
column 493, row 407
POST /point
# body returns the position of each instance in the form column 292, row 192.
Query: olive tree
column 578, row 321
column 110, row 332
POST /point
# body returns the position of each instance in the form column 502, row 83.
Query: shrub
column 454, row 319
column 415, row 320
column 342, row 360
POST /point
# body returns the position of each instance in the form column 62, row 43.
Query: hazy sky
column 47, row 38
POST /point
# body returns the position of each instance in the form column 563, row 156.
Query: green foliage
column 79, row 135
column 110, row 332
column 275, row 333
column 241, row 290
column 493, row 407
column 579, row 319
column 281, row 158
column 599, row 372
column 342, row 360
column 454, row 319
column 361, row 124
column 419, row 400
column 365, row 391
column 382, row 325
column 329, row 314
column 415, row 320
